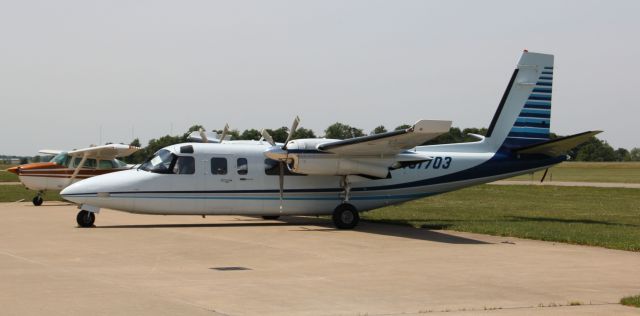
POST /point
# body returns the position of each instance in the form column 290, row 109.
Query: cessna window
column 184, row 165
column 218, row 166
column 61, row 159
column 243, row 167
column 119, row 163
column 105, row 164
column 161, row 162
column 89, row 163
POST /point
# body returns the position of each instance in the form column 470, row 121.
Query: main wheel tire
column 270, row 217
column 85, row 219
column 345, row 216
column 37, row 201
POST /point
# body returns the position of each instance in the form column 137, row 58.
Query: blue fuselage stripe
column 542, row 90
column 543, row 97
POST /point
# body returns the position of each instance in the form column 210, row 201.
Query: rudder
column 523, row 117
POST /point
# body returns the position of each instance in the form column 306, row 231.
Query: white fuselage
column 255, row 193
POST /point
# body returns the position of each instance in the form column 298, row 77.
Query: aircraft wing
column 390, row 143
column 105, row 152
column 52, row 152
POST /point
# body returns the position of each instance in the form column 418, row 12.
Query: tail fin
column 523, row 117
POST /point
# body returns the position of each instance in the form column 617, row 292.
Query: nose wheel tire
column 37, row 200
column 345, row 216
column 85, row 218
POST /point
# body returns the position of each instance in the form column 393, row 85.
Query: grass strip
column 604, row 217
column 12, row 193
column 631, row 301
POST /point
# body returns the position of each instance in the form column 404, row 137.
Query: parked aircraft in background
column 68, row 167
column 338, row 177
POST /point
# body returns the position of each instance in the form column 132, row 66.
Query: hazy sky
column 144, row 68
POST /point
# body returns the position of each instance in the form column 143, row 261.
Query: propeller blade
column 281, row 182
column 294, row 126
column 225, row 131
column 267, row 137
column 203, row 135
column 544, row 175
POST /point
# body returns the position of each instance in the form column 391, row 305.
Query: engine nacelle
column 340, row 166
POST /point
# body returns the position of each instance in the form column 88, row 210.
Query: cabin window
column 184, row 165
column 89, row 163
column 243, row 166
column 105, row 164
column 118, row 163
column 218, row 166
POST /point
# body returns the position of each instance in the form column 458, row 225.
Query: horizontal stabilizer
column 558, row 146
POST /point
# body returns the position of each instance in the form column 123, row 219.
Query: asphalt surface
column 232, row 265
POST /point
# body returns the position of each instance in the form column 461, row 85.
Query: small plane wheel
column 345, row 216
column 270, row 217
column 85, row 218
column 37, row 200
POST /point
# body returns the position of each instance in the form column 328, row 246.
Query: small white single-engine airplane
column 67, row 167
column 337, row 177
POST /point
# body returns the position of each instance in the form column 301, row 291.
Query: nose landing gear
column 37, row 200
column 85, row 218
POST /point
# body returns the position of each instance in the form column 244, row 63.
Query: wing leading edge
column 390, row 143
column 105, row 152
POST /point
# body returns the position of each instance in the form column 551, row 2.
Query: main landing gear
column 85, row 219
column 37, row 200
column 345, row 216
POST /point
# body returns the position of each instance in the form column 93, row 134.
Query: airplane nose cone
column 70, row 190
column 75, row 192
column 14, row 170
column 96, row 190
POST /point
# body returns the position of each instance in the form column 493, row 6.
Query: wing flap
column 105, row 152
column 389, row 143
column 558, row 146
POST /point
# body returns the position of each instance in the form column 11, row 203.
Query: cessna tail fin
column 523, row 117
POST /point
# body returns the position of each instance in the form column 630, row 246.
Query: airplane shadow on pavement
column 321, row 225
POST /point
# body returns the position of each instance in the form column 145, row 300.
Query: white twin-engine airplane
column 337, row 177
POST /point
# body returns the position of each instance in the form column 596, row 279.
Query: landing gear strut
column 85, row 218
column 37, row 200
column 345, row 216
column 346, row 185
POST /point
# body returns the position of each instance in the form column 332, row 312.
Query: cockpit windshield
column 161, row 162
column 61, row 159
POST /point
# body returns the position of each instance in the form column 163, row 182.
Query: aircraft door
column 247, row 172
column 184, row 179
